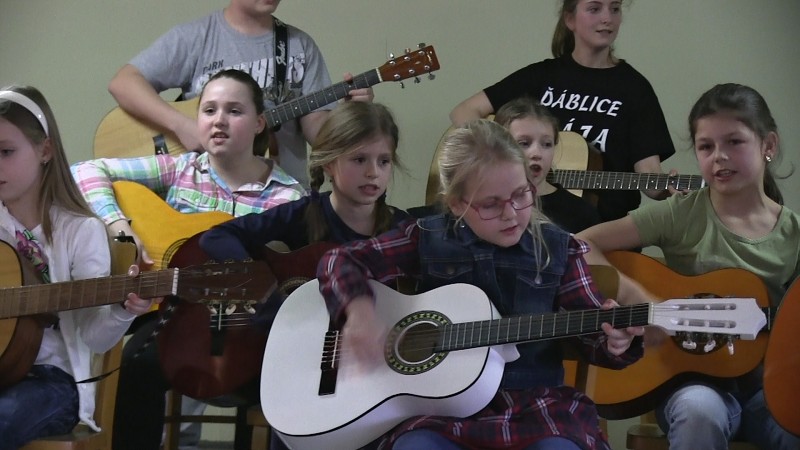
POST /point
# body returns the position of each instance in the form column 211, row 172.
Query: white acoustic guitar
column 444, row 355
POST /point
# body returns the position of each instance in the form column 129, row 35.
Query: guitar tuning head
column 408, row 50
column 402, row 85
column 688, row 343
column 711, row 344
column 431, row 76
column 421, row 45
column 730, row 345
column 416, row 80
column 391, row 55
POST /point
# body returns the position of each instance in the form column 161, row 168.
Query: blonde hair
column 58, row 187
column 345, row 129
column 465, row 154
column 524, row 107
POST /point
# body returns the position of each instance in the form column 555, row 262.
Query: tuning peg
column 249, row 308
column 431, row 76
column 688, row 343
column 416, row 80
column 710, row 345
column 230, row 309
column 730, row 345
column 402, row 86
column 391, row 55
column 421, row 45
column 212, row 310
column 408, row 50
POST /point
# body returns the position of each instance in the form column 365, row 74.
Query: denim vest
column 454, row 254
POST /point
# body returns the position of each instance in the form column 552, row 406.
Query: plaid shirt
column 186, row 182
column 514, row 418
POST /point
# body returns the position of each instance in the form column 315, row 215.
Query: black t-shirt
column 615, row 109
column 568, row 211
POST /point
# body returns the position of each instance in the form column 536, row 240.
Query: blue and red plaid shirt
column 514, row 418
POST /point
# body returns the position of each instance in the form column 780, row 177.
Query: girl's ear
column 770, row 145
column 327, row 169
column 261, row 123
column 457, row 206
column 569, row 21
column 47, row 151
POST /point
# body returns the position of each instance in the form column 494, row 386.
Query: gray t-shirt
column 189, row 54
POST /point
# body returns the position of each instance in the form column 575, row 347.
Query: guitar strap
column 281, row 55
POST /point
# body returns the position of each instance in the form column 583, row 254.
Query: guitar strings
column 497, row 331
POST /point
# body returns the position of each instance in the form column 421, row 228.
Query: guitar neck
column 308, row 103
column 525, row 328
column 630, row 181
column 45, row 298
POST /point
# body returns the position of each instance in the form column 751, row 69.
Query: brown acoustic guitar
column 119, row 135
column 25, row 308
column 211, row 350
column 782, row 363
column 637, row 389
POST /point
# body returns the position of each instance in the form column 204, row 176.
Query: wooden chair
column 123, row 254
column 175, row 417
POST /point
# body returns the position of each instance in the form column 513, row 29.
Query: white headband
column 28, row 104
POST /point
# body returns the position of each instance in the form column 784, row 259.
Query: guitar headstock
column 413, row 63
column 230, row 282
column 740, row 317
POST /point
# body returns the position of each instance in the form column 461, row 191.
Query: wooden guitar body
column 161, row 229
column 119, row 135
column 206, row 354
column 637, row 389
column 782, row 363
column 18, row 335
column 21, row 337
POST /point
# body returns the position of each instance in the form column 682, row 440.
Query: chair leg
column 173, row 428
column 243, row 432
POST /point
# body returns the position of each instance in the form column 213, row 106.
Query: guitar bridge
column 329, row 365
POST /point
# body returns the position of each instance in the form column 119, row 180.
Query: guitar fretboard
column 44, row 298
column 539, row 327
column 299, row 107
column 630, row 181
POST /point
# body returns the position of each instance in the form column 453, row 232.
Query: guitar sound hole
column 415, row 345
column 412, row 346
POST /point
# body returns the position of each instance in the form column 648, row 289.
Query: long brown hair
column 345, row 128
column 58, row 187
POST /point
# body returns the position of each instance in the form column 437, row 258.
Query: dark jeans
column 139, row 410
column 44, row 403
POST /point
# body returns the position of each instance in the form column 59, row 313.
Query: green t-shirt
column 695, row 241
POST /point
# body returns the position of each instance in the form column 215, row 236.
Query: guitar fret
column 580, row 179
column 301, row 106
column 554, row 325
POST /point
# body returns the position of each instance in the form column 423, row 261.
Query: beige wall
column 70, row 49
